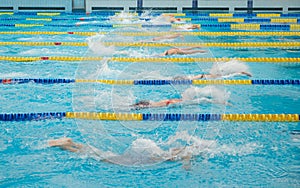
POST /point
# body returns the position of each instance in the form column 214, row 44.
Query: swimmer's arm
column 70, row 148
column 65, row 144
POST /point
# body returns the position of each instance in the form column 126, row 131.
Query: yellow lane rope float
column 48, row 14
column 266, row 15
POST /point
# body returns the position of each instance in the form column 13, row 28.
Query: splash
column 124, row 18
column 106, row 100
column 148, row 75
column 184, row 27
column 96, row 45
column 43, row 51
column 104, row 70
column 13, row 75
column 205, row 94
column 4, row 50
column 228, row 69
column 237, row 150
column 159, row 20
column 147, row 147
column 144, row 151
column 146, row 13
column 87, row 23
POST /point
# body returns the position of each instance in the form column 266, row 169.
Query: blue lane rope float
column 36, row 80
column 32, row 116
column 149, row 117
column 150, row 82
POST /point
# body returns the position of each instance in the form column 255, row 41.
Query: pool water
column 241, row 154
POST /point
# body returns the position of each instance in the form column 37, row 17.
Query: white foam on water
column 45, row 51
column 88, row 22
column 13, row 75
column 96, row 45
column 180, row 147
column 228, row 69
column 205, row 94
column 108, row 100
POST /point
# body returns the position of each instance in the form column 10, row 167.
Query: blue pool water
column 241, row 154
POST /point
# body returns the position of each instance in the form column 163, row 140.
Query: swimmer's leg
column 191, row 48
column 193, row 51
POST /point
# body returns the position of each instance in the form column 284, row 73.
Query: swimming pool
column 240, row 153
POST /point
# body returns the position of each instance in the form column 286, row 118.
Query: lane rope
column 243, row 26
column 109, row 13
column 206, row 19
column 154, row 59
column 202, row 33
column 149, row 117
column 165, row 44
column 151, row 82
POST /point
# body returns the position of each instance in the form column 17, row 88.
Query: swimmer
column 194, row 26
column 207, row 76
column 172, row 19
column 182, row 51
column 174, row 154
column 173, row 36
column 228, row 69
column 164, row 103
column 151, row 104
column 188, row 27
